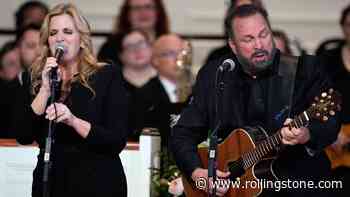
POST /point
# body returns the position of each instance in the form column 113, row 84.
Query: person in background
column 148, row 16
column 338, row 66
column 89, row 112
column 9, row 69
column 135, row 53
column 9, row 61
column 30, row 12
column 28, row 39
column 282, row 41
column 158, row 98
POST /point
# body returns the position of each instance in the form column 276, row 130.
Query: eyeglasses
column 169, row 54
column 146, row 7
column 131, row 47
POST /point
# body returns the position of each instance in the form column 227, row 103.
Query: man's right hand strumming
column 201, row 173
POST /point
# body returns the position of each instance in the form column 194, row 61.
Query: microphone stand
column 213, row 137
column 54, row 83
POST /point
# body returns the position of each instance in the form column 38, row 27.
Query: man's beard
column 252, row 68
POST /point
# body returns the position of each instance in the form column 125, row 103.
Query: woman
column 90, row 124
column 135, row 55
column 148, row 16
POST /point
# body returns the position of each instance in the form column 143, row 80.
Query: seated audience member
column 282, row 41
column 9, row 69
column 28, row 46
column 148, row 16
column 338, row 61
column 158, row 98
column 135, row 54
column 31, row 12
column 9, row 59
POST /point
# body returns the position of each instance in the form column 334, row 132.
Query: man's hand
column 200, row 174
column 294, row 136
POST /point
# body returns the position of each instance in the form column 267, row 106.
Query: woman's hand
column 63, row 114
column 51, row 62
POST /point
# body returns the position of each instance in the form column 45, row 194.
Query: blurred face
column 252, row 42
column 166, row 51
column 29, row 47
column 10, row 65
column 62, row 29
column 346, row 28
column 136, row 51
column 34, row 15
column 280, row 44
column 143, row 14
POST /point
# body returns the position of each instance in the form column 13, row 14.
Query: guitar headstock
column 325, row 105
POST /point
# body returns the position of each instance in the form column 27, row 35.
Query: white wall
column 308, row 20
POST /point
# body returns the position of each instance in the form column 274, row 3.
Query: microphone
column 59, row 52
column 227, row 65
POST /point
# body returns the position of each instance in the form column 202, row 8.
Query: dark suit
column 83, row 166
column 246, row 102
column 155, row 108
column 8, row 91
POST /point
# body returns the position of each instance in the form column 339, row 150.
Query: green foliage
column 161, row 177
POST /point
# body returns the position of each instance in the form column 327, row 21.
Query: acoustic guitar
column 248, row 153
column 339, row 154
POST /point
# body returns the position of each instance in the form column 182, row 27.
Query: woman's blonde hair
column 88, row 64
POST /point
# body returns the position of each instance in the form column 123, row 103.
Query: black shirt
column 245, row 101
column 340, row 76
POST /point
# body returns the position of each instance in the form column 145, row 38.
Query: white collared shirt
column 170, row 89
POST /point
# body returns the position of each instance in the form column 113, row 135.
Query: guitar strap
column 280, row 93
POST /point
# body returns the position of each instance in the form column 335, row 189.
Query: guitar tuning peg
column 330, row 91
column 324, row 94
column 321, row 101
column 332, row 103
column 325, row 118
column 313, row 104
column 325, row 109
column 329, row 97
column 316, row 98
column 332, row 113
column 318, row 114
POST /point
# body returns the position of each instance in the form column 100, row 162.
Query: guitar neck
column 272, row 143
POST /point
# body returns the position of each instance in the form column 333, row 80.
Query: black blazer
column 90, row 166
column 200, row 117
column 155, row 108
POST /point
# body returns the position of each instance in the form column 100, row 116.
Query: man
column 158, row 98
column 255, row 94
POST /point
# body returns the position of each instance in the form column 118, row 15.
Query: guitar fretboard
column 272, row 143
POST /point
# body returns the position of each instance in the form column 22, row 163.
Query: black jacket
column 241, row 108
column 90, row 166
column 155, row 109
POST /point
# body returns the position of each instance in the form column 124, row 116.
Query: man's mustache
column 260, row 52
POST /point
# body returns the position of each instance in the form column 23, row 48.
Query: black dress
column 90, row 166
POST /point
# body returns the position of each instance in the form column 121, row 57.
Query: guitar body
column 247, row 153
column 339, row 156
column 239, row 142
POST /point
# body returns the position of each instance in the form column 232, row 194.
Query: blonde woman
column 90, row 112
